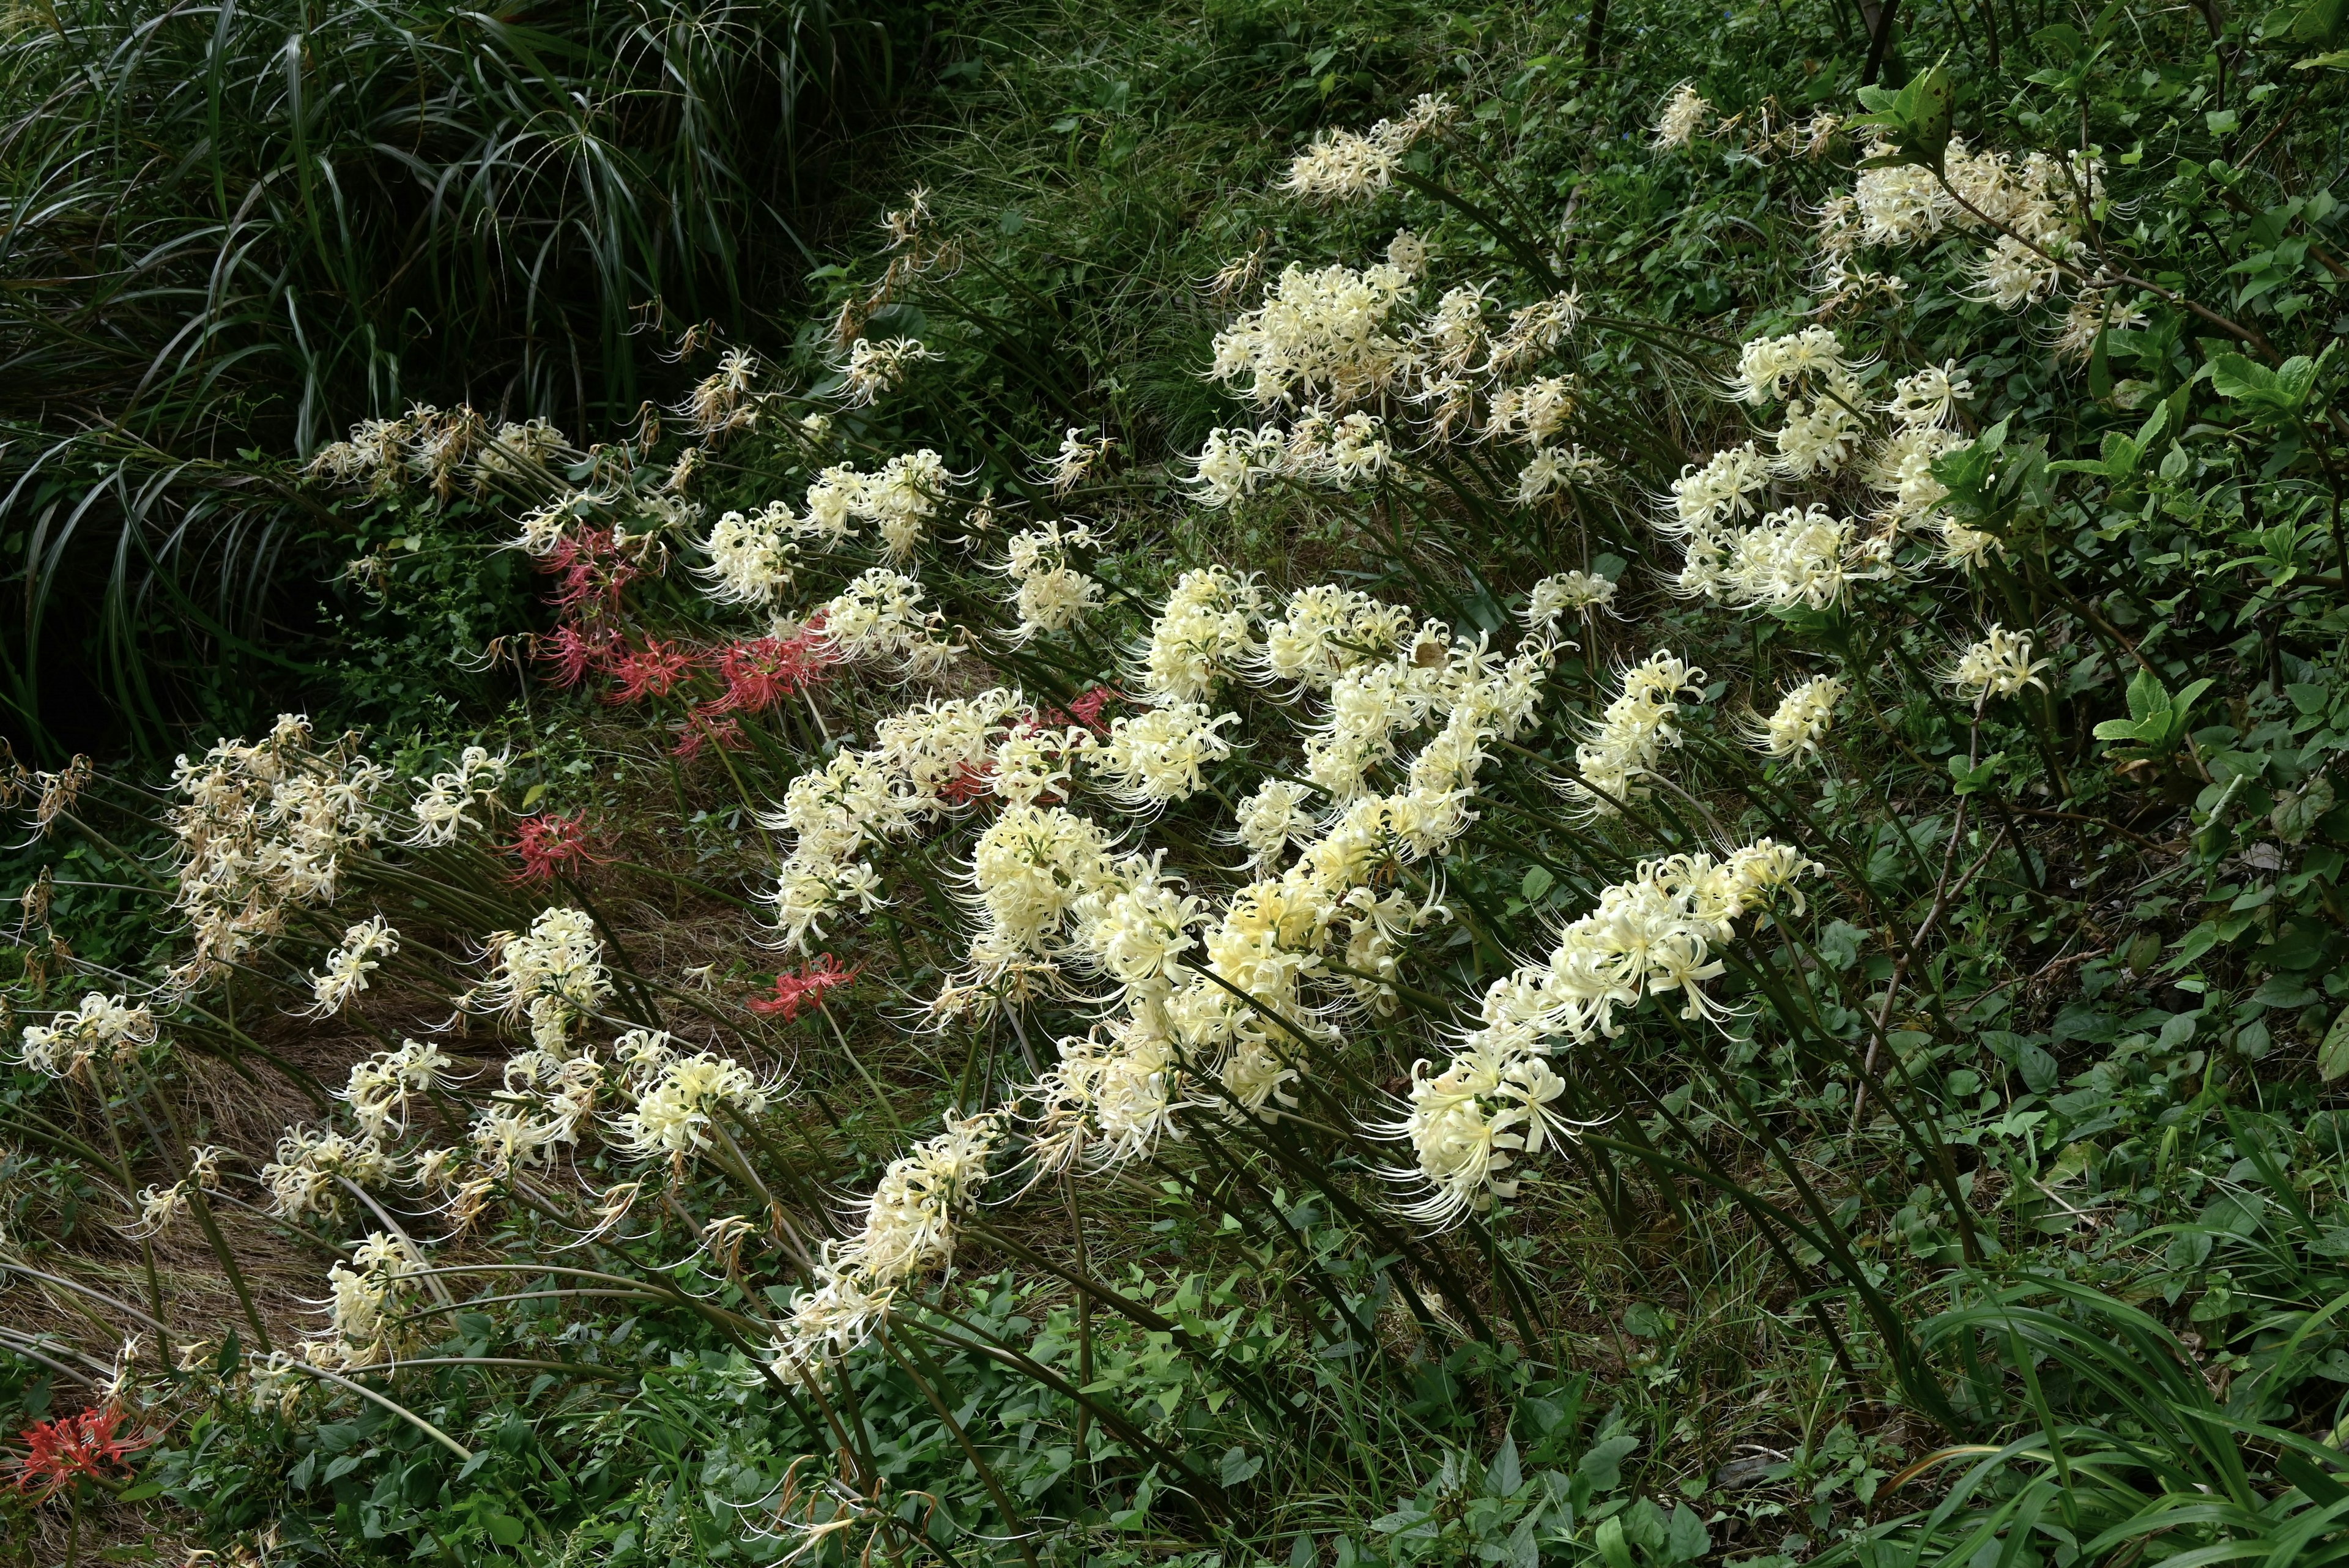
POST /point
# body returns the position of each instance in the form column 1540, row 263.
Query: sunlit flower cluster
column 1346, row 165
column 102, row 1030
column 2000, row 665
column 1628, row 740
column 1654, row 935
column 264, row 827
column 1802, row 720
column 909, row 1229
column 550, row 977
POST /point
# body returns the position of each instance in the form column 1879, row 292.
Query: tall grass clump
column 236, row 228
column 1565, row 802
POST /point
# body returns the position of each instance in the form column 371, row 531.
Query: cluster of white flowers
column 882, row 618
column 897, row 501
column 366, row 1324
column 1803, row 719
column 441, row 806
column 551, row 976
column 434, row 447
column 909, row 1227
column 1075, row 459
column 1628, row 742
column 1348, row 165
column 1552, row 467
column 2094, row 311
column 1048, row 593
column 1531, row 413
column 875, row 366
column 860, row 799
column 1213, row 997
column 1321, row 336
column 302, row 1178
column 1533, row 331
column 1795, row 556
column 1323, row 631
column 160, row 1207
column 677, row 1096
column 520, row 451
column 2032, row 208
column 1566, row 593
column 1155, row 757
column 102, row 1030
column 1206, row 628
column 1769, row 368
column 544, row 1098
column 365, row 946
column 266, row 827
column 1340, row 453
column 1684, row 113
column 721, row 401
column 1652, row 935
column 382, row 1086
column 1804, row 553
column 2000, row 665
column 751, row 556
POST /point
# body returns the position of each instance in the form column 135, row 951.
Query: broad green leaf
column 2333, row 1056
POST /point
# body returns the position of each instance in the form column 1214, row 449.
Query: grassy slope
column 1099, row 168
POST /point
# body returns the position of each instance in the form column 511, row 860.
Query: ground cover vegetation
column 1396, row 787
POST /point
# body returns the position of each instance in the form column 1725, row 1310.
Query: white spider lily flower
column 1803, row 718
column 2000, row 665
column 1628, row 740
column 363, row 947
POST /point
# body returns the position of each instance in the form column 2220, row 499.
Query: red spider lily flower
column 805, row 989
column 969, row 783
column 649, row 671
column 1085, row 709
column 547, row 843
column 574, row 651
column 764, row 672
column 589, row 569
column 61, row 1451
column 701, row 730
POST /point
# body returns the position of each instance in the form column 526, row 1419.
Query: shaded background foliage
column 230, row 230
